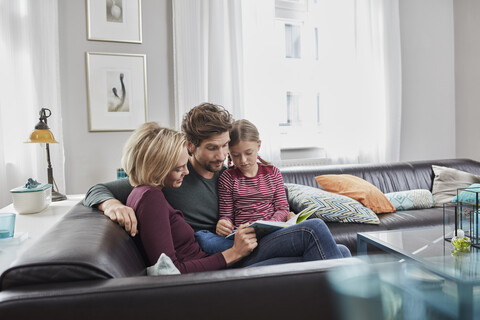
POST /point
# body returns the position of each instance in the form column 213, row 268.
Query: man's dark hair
column 205, row 120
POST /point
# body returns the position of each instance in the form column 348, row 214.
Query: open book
column 262, row 228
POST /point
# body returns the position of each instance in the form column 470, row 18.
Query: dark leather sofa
column 388, row 177
column 87, row 267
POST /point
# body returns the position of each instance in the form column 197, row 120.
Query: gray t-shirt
column 197, row 197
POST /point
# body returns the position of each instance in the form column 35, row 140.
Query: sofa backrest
column 83, row 245
column 388, row 177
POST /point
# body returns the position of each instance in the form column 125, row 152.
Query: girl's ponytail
column 263, row 161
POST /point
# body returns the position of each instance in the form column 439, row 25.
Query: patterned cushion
column 411, row 199
column 328, row 206
column 468, row 195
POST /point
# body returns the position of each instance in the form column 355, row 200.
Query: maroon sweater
column 163, row 229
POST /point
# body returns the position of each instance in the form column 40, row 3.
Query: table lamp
column 42, row 134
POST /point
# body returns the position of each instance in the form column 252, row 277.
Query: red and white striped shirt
column 245, row 199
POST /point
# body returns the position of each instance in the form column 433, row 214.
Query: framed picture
column 117, row 91
column 114, row 20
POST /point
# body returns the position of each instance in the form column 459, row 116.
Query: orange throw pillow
column 358, row 189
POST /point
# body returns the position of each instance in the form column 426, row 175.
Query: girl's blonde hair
column 244, row 130
column 150, row 153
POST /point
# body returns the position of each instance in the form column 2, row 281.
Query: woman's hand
column 245, row 242
column 224, row 227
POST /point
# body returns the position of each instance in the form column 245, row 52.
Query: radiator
column 302, row 162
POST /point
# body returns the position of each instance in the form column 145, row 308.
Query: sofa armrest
column 83, row 245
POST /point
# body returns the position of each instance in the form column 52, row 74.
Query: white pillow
column 447, row 181
column 163, row 266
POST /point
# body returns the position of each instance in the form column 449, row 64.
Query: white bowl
column 32, row 200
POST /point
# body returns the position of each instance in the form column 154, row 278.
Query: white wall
column 467, row 78
column 92, row 157
column 428, row 84
column 428, row 116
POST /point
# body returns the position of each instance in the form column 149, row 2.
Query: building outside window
column 300, row 71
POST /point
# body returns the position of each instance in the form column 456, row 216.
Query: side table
column 30, row 227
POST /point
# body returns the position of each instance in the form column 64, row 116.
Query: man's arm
column 117, row 189
column 110, row 197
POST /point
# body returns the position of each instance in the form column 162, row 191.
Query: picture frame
column 114, row 20
column 116, row 91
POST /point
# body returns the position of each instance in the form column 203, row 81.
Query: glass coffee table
column 427, row 247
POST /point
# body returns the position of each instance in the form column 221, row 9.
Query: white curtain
column 363, row 124
column 208, row 55
column 29, row 81
column 228, row 52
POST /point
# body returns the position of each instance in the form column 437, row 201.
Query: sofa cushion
column 447, row 181
column 328, row 206
column 83, row 245
column 358, row 189
column 410, row 199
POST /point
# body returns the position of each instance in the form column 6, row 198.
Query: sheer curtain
column 363, row 123
column 229, row 52
column 208, row 55
column 29, row 81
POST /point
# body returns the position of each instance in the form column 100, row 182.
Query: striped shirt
column 245, row 199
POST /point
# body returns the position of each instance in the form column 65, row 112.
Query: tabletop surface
column 30, row 227
column 428, row 246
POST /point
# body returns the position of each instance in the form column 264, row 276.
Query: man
column 207, row 128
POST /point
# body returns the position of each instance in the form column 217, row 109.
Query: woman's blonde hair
column 244, row 130
column 150, row 153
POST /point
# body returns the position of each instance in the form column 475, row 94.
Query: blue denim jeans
column 212, row 243
column 307, row 241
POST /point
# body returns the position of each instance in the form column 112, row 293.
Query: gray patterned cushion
column 411, row 199
column 328, row 206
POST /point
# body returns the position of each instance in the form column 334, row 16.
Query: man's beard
column 209, row 166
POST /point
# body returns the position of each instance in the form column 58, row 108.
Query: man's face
column 211, row 153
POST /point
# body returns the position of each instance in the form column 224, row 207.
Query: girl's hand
column 290, row 215
column 224, row 227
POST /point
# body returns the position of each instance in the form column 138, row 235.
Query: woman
column 156, row 157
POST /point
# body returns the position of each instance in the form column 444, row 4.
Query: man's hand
column 123, row 215
column 224, row 227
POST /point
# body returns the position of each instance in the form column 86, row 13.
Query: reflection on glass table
column 384, row 288
column 428, row 247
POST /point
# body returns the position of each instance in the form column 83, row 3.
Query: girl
column 250, row 190
column 253, row 190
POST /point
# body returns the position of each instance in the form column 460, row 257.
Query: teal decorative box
column 31, row 200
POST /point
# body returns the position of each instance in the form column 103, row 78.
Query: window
column 319, row 117
column 319, row 70
column 292, row 41
column 292, row 111
column 300, row 74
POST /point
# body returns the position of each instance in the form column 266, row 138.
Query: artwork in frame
column 117, row 91
column 114, row 20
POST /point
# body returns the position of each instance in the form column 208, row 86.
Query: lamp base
column 57, row 196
